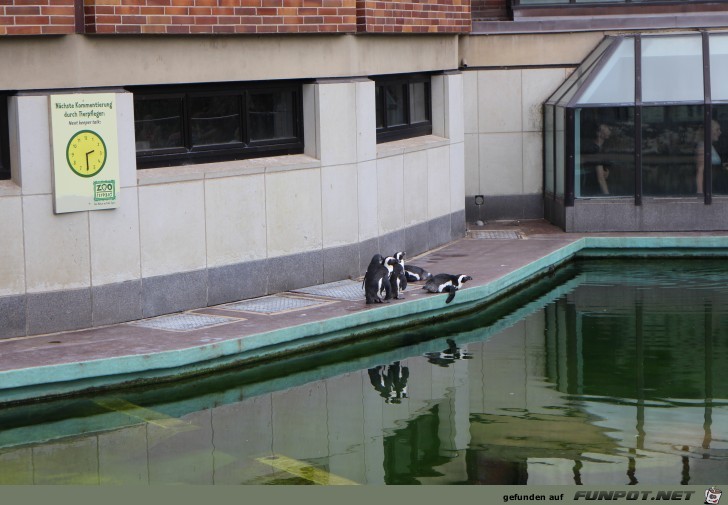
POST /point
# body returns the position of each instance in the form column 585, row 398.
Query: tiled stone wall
column 503, row 140
column 197, row 235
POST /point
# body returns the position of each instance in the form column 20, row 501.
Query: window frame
column 5, row 172
column 649, row 11
column 409, row 129
column 190, row 153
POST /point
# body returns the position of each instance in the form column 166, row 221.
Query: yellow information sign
column 85, row 152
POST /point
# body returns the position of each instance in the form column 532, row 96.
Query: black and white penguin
column 446, row 283
column 377, row 280
column 415, row 273
column 398, row 278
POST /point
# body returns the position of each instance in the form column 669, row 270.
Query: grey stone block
column 391, row 243
column 295, row 271
column 439, row 231
column 508, row 207
column 12, row 316
column 165, row 294
column 231, row 283
column 59, row 311
column 341, row 263
column 458, row 227
column 367, row 249
column 116, row 303
column 417, row 238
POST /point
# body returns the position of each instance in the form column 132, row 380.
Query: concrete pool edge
column 75, row 377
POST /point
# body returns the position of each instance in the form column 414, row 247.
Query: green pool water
column 608, row 372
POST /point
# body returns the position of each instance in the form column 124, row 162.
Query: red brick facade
column 36, row 17
column 490, row 9
column 413, row 16
column 220, row 16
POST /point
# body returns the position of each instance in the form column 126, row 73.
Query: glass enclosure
column 631, row 121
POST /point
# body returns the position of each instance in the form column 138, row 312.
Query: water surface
column 609, row 372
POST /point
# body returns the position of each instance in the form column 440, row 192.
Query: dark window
column 604, row 151
column 204, row 123
column 4, row 139
column 403, row 107
column 671, row 138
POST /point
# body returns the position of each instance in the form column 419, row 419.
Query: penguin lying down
column 446, row 283
column 415, row 273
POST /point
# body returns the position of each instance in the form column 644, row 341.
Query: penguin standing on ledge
column 446, row 283
column 376, row 278
column 398, row 279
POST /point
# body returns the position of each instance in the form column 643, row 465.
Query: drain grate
column 183, row 322
column 344, row 290
column 273, row 304
column 493, row 234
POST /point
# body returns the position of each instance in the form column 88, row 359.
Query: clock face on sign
column 86, row 153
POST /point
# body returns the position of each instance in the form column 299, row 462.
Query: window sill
column 9, row 188
column 164, row 175
column 399, row 147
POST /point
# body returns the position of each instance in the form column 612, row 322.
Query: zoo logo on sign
column 712, row 495
column 104, row 190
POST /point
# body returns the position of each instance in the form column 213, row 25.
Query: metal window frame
column 569, row 169
column 5, row 173
column 387, row 133
column 518, row 4
column 191, row 154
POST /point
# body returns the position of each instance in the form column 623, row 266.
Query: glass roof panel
column 719, row 66
column 614, row 81
column 570, row 86
column 672, row 69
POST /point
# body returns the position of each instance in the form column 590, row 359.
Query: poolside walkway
column 496, row 255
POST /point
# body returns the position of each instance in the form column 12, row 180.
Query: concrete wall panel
column 293, row 210
column 115, row 253
column 12, row 267
column 57, row 252
column 235, row 219
column 172, row 228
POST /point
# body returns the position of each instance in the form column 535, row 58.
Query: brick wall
column 36, row 17
column 413, row 16
column 220, row 16
column 490, row 9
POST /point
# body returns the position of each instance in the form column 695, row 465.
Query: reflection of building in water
column 570, row 393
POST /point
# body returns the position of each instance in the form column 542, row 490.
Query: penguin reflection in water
column 377, row 278
column 448, row 356
column 390, row 381
column 446, row 283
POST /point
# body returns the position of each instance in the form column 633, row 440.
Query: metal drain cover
column 493, row 234
column 273, row 304
column 345, row 290
column 183, row 322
